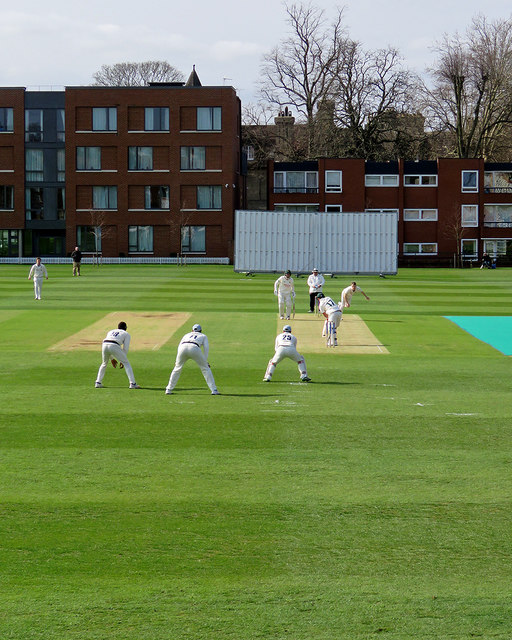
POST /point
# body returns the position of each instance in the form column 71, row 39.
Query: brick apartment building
column 125, row 171
column 446, row 208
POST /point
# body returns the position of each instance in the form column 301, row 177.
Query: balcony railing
column 295, row 189
column 498, row 189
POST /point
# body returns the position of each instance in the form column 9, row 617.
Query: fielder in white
column 286, row 347
column 38, row 272
column 332, row 313
column 315, row 283
column 285, row 291
column 193, row 346
column 347, row 293
column 115, row 347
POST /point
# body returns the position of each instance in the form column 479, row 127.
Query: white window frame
column 421, row 217
column 474, row 253
column 473, row 220
column 381, row 210
column 333, row 208
column 424, row 179
column 249, row 151
column 470, row 189
column 384, row 180
column 420, row 246
column 309, row 178
column 336, row 188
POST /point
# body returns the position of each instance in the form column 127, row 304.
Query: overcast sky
column 60, row 42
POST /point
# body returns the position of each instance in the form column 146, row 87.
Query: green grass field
column 373, row 502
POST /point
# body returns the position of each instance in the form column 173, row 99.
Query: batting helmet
column 287, row 328
column 197, row 327
column 320, row 295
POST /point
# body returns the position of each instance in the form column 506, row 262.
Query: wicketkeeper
column 115, row 348
column 286, row 347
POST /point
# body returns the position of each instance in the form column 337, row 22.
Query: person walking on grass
column 286, row 347
column 347, row 293
column 115, row 348
column 285, row 292
column 76, row 256
column 193, row 346
column 38, row 272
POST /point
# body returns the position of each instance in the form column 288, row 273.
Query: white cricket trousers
column 286, row 352
column 335, row 317
column 38, row 285
column 194, row 352
column 285, row 304
column 110, row 350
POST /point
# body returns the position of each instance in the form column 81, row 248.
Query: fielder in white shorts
column 332, row 313
column 346, row 295
column 193, row 346
column 38, row 272
column 115, row 347
column 285, row 291
column 286, row 347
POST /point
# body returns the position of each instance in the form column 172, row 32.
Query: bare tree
column 471, row 92
column 301, row 70
column 101, row 230
column 133, row 74
column 373, row 94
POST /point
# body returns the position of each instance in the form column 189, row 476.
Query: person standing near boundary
column 115, row 347
column 193, row 346
column 76, row 256
column 38, row 272
column 346, row 295
column 284, row 289
column 286, row 347
column 315, row 283
column 332, row 313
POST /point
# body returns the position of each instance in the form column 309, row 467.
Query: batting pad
column 148, row 331
column 354, row 336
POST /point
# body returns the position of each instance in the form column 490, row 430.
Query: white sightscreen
column 332, row 242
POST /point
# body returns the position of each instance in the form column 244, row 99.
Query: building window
column 61, row 203
column 295, row 181
column 61, row 125
column 209, row 118
column 6, row 198
column 381, row 210
column 469, row 248
column 498, row 182
column 469, row 215
column 156, row 197
column 249, row 152
column 156, row 119
column 209, row 197
column 333, row 181
column 140, row 158
column 88, row 158
column 34, row 207
column 497, row 215
column 34, row 170
column 420, row 248
column 9, row 243
column 385, row 180
column 420, row 181
column 333, row 208
column 193, row 239
column 61, row 165
column 6, row 119
column 470, row 181
column 33, row 125
column 498, row 247
column 104, row 197
column 104, row 119
column 140, row 239
column 297, row 208
column 193, row 158
column 411, row 215
column 88, row 238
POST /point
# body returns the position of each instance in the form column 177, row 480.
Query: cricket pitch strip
column 148, row 331
column 354, row 336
